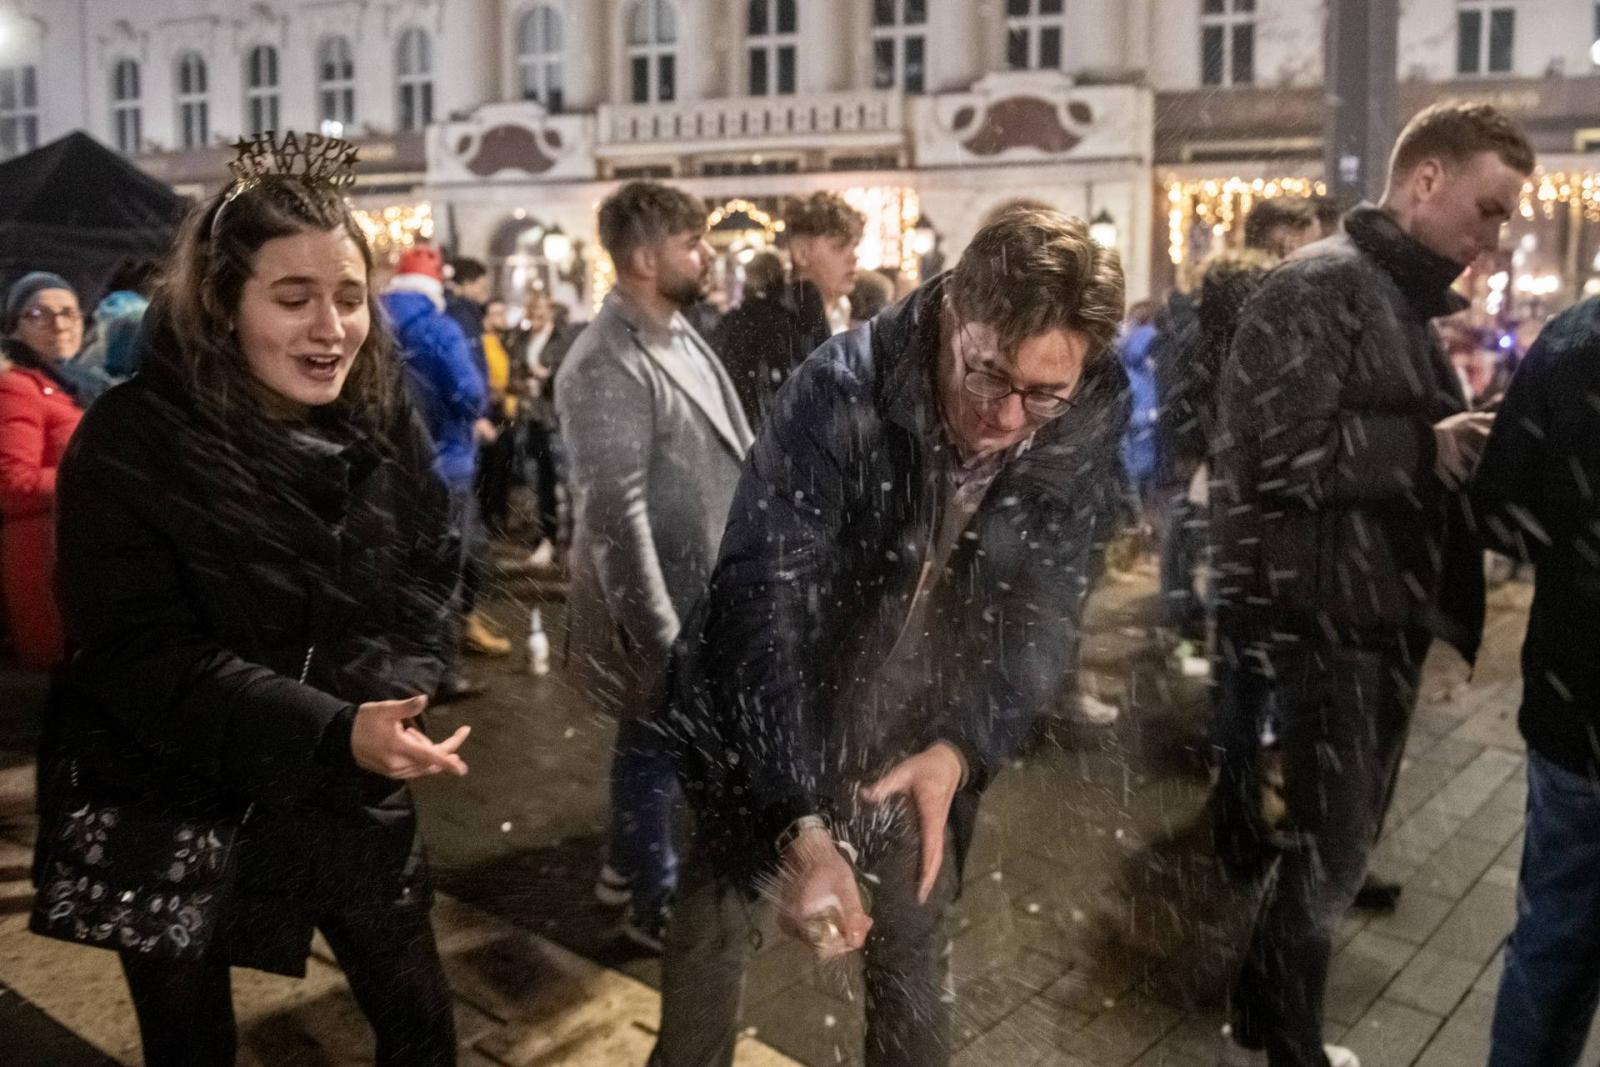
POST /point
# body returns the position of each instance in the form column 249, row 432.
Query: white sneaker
column 1339, row 1056
column 1094, row 711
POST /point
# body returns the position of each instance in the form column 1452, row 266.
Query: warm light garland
column 889, row 241
column 1544, row 191
column 769, row 225
column 395, row 229
column 1220, row 202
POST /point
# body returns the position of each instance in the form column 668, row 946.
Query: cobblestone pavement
column 1094, row 931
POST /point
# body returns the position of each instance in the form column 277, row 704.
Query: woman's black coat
column 206, row 567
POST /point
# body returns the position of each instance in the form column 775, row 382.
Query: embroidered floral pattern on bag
column 168, row 907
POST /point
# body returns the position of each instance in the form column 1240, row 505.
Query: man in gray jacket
column 656, row 437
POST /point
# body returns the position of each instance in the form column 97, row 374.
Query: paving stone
column 1121, row 1035
column 1453, row 752
column 1453, row 869
column 1494, row 824
column 1464, row 1038
column 1415, row 917
column 1494, row 726
column 1477, row 926
column 1474, row 784
column 1360, row 972
column 1390, row 1034
column 1033, row 1031
column 1433, row 982
column 1488, row 980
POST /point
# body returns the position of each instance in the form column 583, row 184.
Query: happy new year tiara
column 310, row 159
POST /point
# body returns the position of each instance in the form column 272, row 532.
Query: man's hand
column 818, row 901
column 1460, row 440
column 930, row 779
column 383, row 741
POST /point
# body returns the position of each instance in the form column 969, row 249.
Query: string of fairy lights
column 1219, row 203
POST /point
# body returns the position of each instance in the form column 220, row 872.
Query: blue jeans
column 1552, row 974
column 644, row 789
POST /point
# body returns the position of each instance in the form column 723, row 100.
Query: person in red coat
column 39, row 410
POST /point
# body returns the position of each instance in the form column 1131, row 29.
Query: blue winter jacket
column 446, row 387
column 1140, row 454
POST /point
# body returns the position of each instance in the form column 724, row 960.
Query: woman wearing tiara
column 254, row 571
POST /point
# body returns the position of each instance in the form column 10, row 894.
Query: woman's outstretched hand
column 384, row 742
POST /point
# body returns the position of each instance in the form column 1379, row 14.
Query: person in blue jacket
column 451, row 393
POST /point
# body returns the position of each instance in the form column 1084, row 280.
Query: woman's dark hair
column 197, row 298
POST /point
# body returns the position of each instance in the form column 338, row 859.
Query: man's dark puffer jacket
column 1329, row 521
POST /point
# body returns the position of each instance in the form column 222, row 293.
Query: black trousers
column 389, row 956
column 1343, row 715
column 712, row 938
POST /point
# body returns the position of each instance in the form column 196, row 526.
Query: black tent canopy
column 79, row 209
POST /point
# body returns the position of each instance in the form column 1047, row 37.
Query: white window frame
column 541, row 45
column 1486, row 11
column 900, row 33
column 127, row 105
column 194, row 103
column 771, row 45
column 659, row 44
column 413, row 69
column 1235, row 14
column 336, row 95
column 19, row 109
column 1033, row 26
column 262, row 99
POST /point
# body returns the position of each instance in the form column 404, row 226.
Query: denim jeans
column 644, row 789
column 1552, row 974
column 1344, row 714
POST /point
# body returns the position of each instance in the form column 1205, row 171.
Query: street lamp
column 1103, row 229
column 557, row 247
column 923, row 236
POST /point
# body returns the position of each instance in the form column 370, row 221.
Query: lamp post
column 1362, row 54
column 1103, row 230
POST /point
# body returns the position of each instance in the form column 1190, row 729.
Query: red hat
column 421, row 259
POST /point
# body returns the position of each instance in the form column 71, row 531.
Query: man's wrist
column 801, row 826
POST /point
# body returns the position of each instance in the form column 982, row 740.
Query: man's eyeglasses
column 37, row 316
column 987, row 385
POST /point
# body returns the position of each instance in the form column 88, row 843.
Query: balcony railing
column 826, row 118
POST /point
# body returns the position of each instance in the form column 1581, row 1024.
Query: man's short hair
column 1269, row 215
column 823, row 214
column 644, row 213
column 465, row 270
column 1454, row 132
column 1032, row 271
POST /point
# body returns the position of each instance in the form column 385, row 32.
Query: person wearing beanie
column 39, row 410
column 450, row 393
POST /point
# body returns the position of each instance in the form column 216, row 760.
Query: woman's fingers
column 426, row 753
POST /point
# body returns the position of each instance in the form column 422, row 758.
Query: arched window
column 194, row 114
column 772, row 33
column 652, row 52
column 539, row 42
column 900, row 44
column 127, row 113
column 19, row 110
column 261, row 88
column 336, row 81
column 1034, row 30
column 414, row 75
